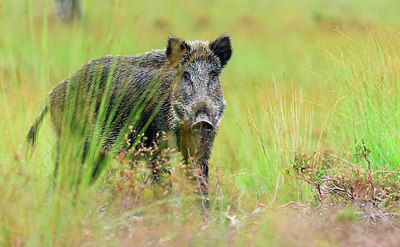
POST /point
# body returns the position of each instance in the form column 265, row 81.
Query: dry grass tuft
column 338, row 184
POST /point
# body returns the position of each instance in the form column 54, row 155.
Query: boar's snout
column 202, row 125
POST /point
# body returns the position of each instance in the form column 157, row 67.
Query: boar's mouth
column 202, row 125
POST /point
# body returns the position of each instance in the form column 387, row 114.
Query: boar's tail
column 32, row 134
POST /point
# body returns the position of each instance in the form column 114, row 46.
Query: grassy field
column 312, row 93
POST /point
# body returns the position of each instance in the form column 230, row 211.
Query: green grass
column 309, row 76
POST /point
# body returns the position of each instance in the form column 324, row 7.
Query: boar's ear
column 176, row 49
column 222, row 48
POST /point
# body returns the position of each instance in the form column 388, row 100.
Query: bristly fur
column 159, row 91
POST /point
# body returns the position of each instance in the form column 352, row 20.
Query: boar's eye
column 186, row 76
column 213, row 76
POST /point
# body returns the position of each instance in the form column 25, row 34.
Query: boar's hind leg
column 99, row 165
column 57, row 161
column 99, row 162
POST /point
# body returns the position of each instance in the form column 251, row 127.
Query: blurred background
column 306, row 77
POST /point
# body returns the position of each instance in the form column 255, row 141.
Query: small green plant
column 348, row 214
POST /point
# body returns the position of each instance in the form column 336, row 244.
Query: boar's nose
column 202, row 125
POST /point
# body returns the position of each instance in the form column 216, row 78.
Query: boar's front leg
column 203, row 154
column 196, row 151
column 202, row 176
